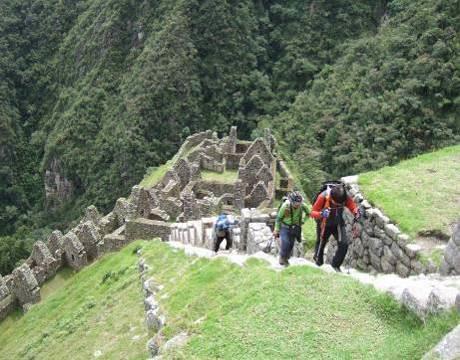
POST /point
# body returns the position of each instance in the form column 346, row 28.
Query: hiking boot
column 283, row 261
column 337, row 269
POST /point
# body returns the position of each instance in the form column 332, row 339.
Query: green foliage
column 389, row 96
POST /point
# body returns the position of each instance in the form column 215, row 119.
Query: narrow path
column 422, row 294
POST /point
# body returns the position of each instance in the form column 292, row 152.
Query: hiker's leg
column 228, row 240
column 284, row 239
column 322, row 246
column 217, row 243
column 318, row 240
column 342, row 249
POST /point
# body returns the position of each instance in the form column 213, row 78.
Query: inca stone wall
column 451, row 262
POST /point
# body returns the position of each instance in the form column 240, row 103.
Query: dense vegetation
column 107, row 88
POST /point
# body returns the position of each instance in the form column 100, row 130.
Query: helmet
column 295, row 197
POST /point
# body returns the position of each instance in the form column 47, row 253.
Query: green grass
column 155, row 174
column 300, row 313
column 419, row 194
column 227, row 177
column 81, row 314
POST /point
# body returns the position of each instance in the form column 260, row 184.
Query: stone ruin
column 182, row 207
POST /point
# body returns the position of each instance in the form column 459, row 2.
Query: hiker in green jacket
column 288, row 226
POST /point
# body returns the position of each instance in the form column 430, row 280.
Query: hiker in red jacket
column 328, row 211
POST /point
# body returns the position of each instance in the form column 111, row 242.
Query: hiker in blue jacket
column 222, row 231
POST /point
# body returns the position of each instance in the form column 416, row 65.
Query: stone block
column 74, row 252
column 447, row 349
column 452, row 256
column 389, row 256
column 89, row 236
column 147, row 230
column 392, row 231
column 91, row 214
column 412, row 250
column 108, row 224
column 402, row 270
column 387, row 267
column 55, row 242
column 441, row 298
column 26, row 287
column 375, row 246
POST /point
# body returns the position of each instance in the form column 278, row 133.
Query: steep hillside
column 97, row 312
column 228, row 311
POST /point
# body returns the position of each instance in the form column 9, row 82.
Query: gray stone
column 392, row 231
column 74, row 252
column 400, row 255
column 389, row 256
column 153, row 346
column 150, row 303
column 441, row 298
column 375, row 262
column 412, row 250
column 26, row 286
column 402, row 270
column 150, row 286
column 376, row 246
column 55, row 242
column 108, row 223
column 381, row 220
column 415, row 300
column 144, row 229
column 153, row 321
column 91, row 214
column 387, row 268
column 452, row 256
column 387, row 240
column 176, row 342
column 403, row 240
column 448, row 348
column 417, row 267
column 456, row 235
column 89, row 236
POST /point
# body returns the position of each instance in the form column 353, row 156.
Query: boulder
column 441, row 298
column 448, row 348
column 416, row 300
column 176, row 342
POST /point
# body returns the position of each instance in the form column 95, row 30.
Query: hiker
column 328, row 211
column 288, row 225
column 222, row 231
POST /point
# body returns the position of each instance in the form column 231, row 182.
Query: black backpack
column 327, row 184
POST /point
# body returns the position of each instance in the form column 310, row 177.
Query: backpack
column 222, row 224
column 326, row 185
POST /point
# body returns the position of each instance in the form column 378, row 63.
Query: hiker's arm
column 317, row 207
column 279, row 217
column 350, row 204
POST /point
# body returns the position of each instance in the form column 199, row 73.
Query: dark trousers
column 338, row 231
column 219, row 240
column 287, row 242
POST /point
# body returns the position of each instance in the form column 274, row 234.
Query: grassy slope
column 80, row 315
column 422, row 193
column 256, row 313
column 227, row 177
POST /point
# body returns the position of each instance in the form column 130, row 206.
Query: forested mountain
column 93, row 92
